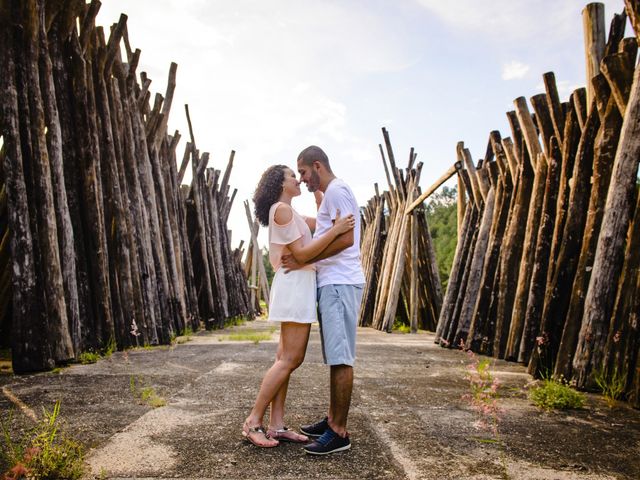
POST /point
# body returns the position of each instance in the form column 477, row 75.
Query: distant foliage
column 443, row 223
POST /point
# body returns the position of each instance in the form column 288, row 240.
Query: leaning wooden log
column 206, row 289
column 570, row 143
column 464, row 157
column 55, row 303
column 558, row 290
column 262, row 274
column 388, row 258
column 632, row 7
column 120, row 278
column 459, row 261
column 482, row 323
column 146, row 315
column 528, row 259
column 604, row 153
column 594, row 42
column 618, row 70
column 621, row 349
column 399, row 259
column 101, row 330
column 535, row 299
column 553, row 103
column 29, row 343
column 63, row 217
column 475, row 270
column 375, row 238
column 448, row 335
column 608, row 260
column 437, row 184
column 457, row 271
column 511, row 251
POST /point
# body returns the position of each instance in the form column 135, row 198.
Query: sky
column 267, row 78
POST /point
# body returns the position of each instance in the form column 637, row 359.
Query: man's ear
column 317, row 165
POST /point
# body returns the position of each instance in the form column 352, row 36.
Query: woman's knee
column 290, row 362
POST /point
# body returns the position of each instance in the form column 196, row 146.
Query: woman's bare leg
column 291, row 352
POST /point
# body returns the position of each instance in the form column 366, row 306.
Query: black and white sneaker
column 329, row 442
column 315, row 430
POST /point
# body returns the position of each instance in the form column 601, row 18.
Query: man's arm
column 341, row 243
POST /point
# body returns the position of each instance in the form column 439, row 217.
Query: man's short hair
column 314, row 154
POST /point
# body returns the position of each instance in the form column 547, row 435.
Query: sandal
column 258, row 436
column 285, row 435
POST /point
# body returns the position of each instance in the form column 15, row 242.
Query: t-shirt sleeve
column 340, row 199
column 284, row 234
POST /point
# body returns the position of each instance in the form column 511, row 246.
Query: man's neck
column 324, row 183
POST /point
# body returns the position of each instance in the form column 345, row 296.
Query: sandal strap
column 280, row 430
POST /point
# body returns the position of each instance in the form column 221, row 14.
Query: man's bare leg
column 340, row 400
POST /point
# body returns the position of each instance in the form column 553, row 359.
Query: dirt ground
column 408, row 419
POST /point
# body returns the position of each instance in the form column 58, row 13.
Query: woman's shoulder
column 282, row 213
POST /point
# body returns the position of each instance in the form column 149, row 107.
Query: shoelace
column 326, row 437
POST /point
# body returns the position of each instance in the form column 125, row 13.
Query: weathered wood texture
column 397, row 281
column 100, row 251
column 560, row 278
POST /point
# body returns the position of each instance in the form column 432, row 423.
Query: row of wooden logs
column 398, row 258
column 106, row 246
column 547, row 267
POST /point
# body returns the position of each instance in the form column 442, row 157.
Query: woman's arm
column 302, row 254
column 311, row 223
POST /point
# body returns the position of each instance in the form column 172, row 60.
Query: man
column 340, row 284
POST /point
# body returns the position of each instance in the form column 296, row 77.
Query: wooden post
column 29, row 344
column 594, row 41
column 609, row 255
column 604, row 154
column 462, row 204
column 535, row 299
column 558, row 291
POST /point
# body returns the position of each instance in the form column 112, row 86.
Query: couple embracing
column 323, row 270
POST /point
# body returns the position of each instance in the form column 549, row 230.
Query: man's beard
column 314, row 182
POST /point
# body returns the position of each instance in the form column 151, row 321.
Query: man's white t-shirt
column 344, row 267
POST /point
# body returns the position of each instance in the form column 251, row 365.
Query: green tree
column 441, row 211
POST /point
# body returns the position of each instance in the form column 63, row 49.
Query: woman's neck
column 284, row 198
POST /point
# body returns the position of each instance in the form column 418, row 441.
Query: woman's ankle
column 253, row 421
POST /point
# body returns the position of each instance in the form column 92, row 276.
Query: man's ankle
column 340, row 430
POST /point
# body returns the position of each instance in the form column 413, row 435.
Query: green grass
column 109, row 348
column 553, row 395
column 400, row 327
column 86, row 358
column 249, row 336
column 42, row 452
column 145, row 394
column 183, row 337
column 612, row 386
column 235, row 322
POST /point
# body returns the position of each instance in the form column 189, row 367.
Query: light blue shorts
column 338, row 307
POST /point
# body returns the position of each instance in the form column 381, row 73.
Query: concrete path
column 408, row 420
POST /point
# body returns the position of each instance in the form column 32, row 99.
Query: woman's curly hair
column 268, row 192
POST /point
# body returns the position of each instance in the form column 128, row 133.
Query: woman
column 293, row 297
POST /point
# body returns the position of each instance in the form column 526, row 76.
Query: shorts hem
column 335, row 363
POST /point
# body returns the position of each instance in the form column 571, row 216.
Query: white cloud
column 514, row 70
column 508, row 20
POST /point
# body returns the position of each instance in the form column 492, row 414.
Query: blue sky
column 268, row 78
